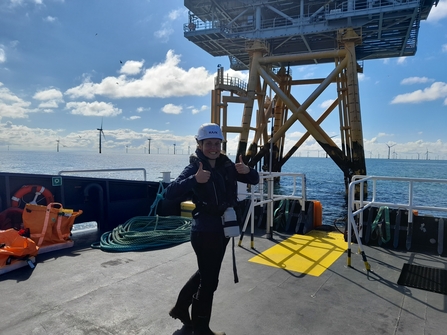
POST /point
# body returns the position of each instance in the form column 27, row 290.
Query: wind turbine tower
column 389, row 147
column 101, row 132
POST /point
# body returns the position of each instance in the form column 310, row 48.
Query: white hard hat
column 209, row 130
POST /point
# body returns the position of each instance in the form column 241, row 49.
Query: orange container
column 318, row 213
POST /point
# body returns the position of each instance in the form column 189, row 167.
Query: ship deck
column 81, row 290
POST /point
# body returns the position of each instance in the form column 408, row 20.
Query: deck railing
column 60, row 173
column 356, row 207
column 264, row 194
column 327, row 11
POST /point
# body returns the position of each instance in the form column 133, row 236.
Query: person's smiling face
column 211, row 147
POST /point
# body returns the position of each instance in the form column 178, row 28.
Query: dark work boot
column 182, row 314
column 201, row 315
column 181, row 309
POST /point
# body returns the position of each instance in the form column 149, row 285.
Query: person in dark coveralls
column 211, row 181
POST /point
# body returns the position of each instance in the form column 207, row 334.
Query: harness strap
column 383, row 211
column 236, row 278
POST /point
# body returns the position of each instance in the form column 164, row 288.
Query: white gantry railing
column 264, row 194
column 411, row 194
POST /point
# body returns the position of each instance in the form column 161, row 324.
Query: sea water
column 324, row 180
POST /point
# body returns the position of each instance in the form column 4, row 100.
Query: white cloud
column 16, row 2
column 415, row 80
column 2, row 54
column 50, row 94
column 327, row 103
column 11, row 105
column 50, row 98
column 242, row 75
column 50, row 19
column 132, row 67
column 157, row 131
column 164, row 32
column 172, row 109
column 23, row 136
column 93, row 108
column 437, row 90
column 48, row 104
column 162, row 80
column 198, row 110
column 143, row 109
column 176, row 13
column 438, row 13
column 166, row 29
column 444, row 48
column 401, row 60
column 134, row 117
column 362, row 77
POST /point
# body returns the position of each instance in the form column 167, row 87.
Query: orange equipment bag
column 14, row 246
column 11, row 218
column 49, row 224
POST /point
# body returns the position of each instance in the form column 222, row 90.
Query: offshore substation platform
column 269, row 37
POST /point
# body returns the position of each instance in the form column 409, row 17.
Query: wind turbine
column 100, row 132
column 426, row 154
column 58, row 142
column 389, row 147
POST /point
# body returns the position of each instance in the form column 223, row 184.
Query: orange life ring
column 37, row 190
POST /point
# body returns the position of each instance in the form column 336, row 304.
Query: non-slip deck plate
column 424, row 278
column 310, row 254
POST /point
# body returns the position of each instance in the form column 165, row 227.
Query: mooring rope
column 160, row 195
column 146, row 232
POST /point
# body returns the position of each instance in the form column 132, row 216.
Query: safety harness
column 377, row 224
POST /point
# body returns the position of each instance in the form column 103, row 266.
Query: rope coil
column 146, row 232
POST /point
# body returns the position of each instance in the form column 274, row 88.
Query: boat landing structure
column 268, row 38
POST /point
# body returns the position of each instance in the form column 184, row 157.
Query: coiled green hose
column 146, row 232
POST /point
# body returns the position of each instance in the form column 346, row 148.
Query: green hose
column 146, row 232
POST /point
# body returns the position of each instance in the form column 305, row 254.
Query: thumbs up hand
column 241, row 167
column 202, row 176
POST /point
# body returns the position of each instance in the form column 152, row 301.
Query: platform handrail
column 259, row 198
column 60, row 173
column 410, row 206
column 356, row 207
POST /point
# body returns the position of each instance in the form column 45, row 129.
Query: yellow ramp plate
column 310, row 254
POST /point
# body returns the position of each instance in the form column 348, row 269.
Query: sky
column 69, row 67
